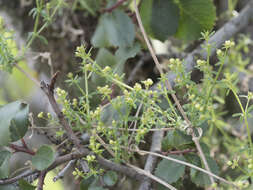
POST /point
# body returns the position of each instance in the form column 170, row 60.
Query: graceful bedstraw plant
column 119, row 126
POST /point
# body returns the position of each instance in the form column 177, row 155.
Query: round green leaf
column 13, row 122
column 160, row 18
column 110, row 178
column 43, row 158
column 170, row 171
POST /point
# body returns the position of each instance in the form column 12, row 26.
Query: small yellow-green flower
column 40, row 115
column 137, row 87
column 229, row 44
column 219, row 52
column 70, row 75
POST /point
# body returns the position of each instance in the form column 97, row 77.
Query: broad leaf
column 196, row 16
column 13, row 122
column 170, row 171
column 110, row 178
column 176, row 138
column 199, row 178
column 43, row 158
column 124, row 53
column 114, row 29
column 160, row 18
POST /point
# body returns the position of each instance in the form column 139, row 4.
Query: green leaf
column 42, row 39
column 4, row 163
column 104, row 58
column 124, row 53
column 110, row 113
column 100, row 39
column 8, row 187
column 43, row 158
column 196, row 16
column 110, row 178
column 116, row 28
column 97, row 188
column 90, row 5
column 4, row 154
column 199, row 178
column 176, row 138
column 13, row 122
column 24, row 185
column 160, row 18
column 85, row 183
column 170, row 171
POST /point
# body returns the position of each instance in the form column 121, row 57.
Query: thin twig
column 168, row 85
column 36, row 82
column 142, row 152
column 135, row 123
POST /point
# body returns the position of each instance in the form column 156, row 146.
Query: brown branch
column 106, row 164
column 116, row 5
column 41, row 180
column 49, row 91
column 18, row 148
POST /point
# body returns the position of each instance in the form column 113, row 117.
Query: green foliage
column 125, row 114
column 13, row 122
column 160, row 18
column 4, row 163
column 182, row 18
column 24, row 185
column 43, row 158
column 170, row 171
column 176, row 138
column 196, row 16
column 110, row 178
column 197, row 177
column 114, row 29
column 6, row 50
